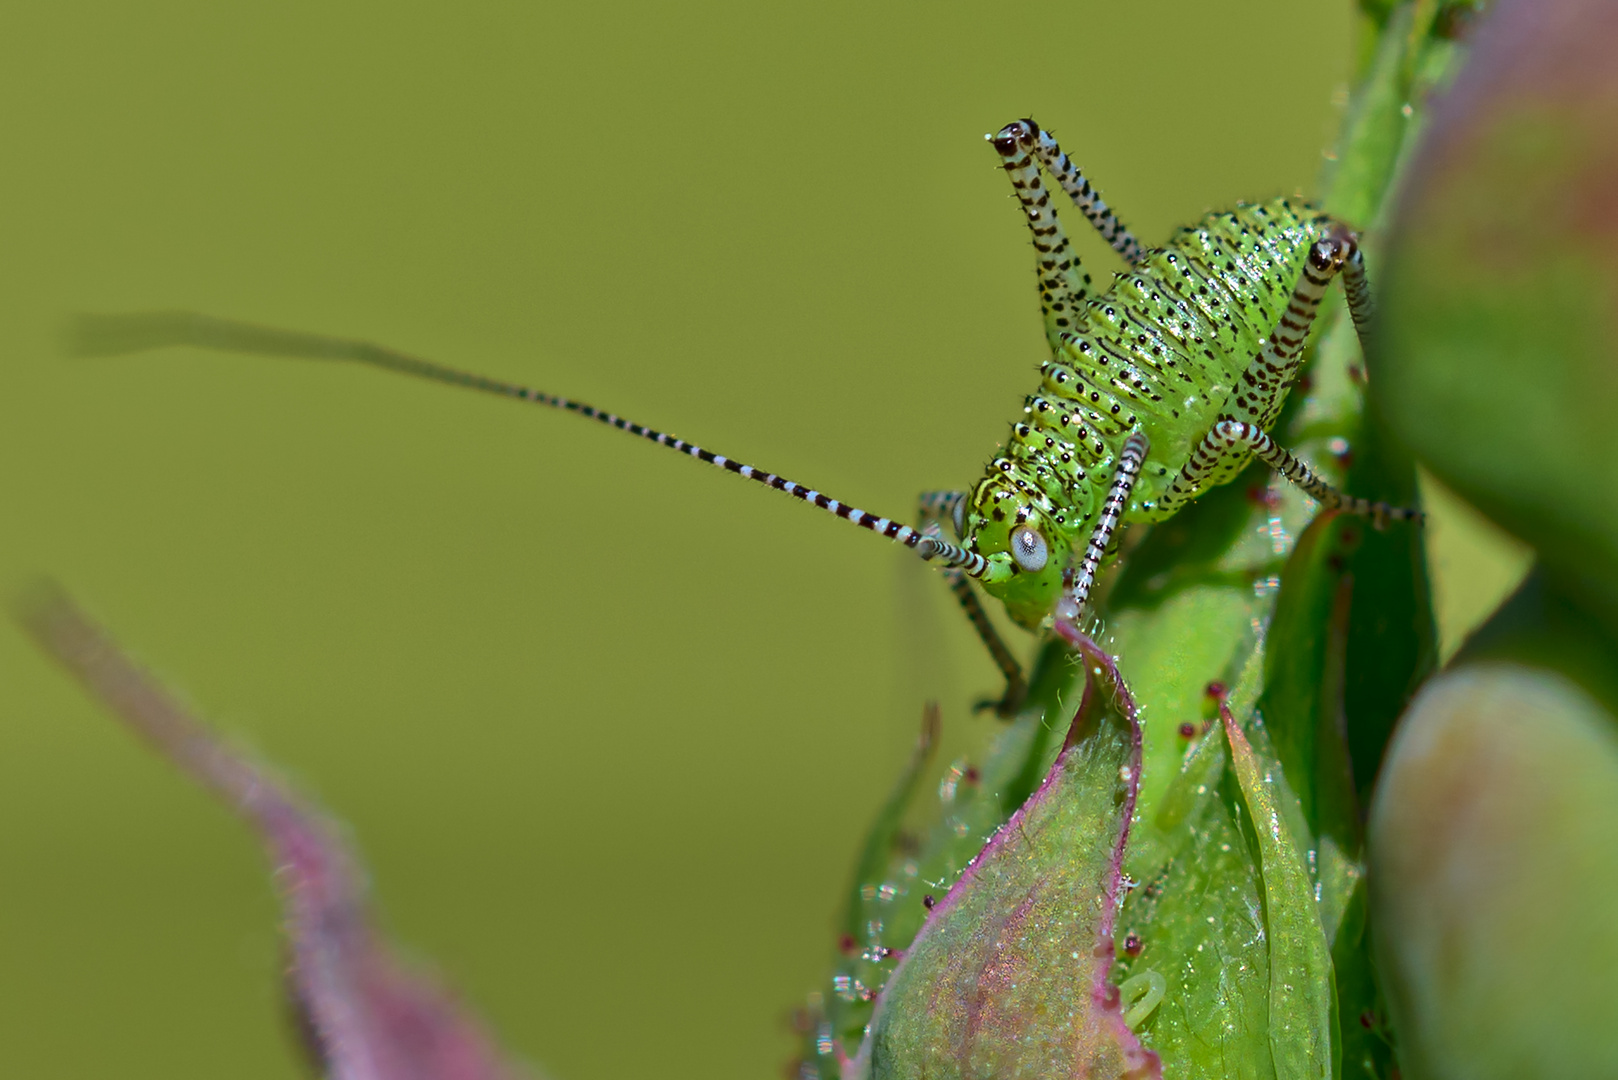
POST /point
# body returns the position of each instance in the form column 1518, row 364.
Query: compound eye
column 1028, row 548
column 960, row 518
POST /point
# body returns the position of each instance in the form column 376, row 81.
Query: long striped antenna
column 112, row 335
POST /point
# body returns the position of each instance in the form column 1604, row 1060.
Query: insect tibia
column 1063, row 285
column 1084, row 197
column 1077, row 594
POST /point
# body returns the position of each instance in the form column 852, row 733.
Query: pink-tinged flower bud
column 1496, row 355
column 1494, row 867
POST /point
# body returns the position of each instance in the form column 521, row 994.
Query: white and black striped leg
column 937, row 507
column 1259, row 395
column 1011, row 700
column 1063, row 284
column 1358, row 291
column 1236, row 439
column 1071, row 606
column 1089, row 202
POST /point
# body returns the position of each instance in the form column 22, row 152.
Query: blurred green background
column 607, row 725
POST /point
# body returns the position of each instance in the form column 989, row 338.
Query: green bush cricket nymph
column 1159, row 388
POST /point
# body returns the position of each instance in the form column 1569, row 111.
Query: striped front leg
column 1071, row 606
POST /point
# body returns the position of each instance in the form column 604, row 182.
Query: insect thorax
column 1159, row 352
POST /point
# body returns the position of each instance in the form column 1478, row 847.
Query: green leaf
column 1304, row 677
column 885, row 838
column 1200, row 634
column 1195, row 917
column 1374, row 130
column 1303, row 1009
column 1367, row 1052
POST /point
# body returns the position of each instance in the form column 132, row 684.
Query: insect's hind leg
column 1063, row 285
column 1256, row 404
column 1358, row 291
column 936, row 507
column 1089, row 202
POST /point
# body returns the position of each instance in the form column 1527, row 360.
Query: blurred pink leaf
column 364, row 1014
